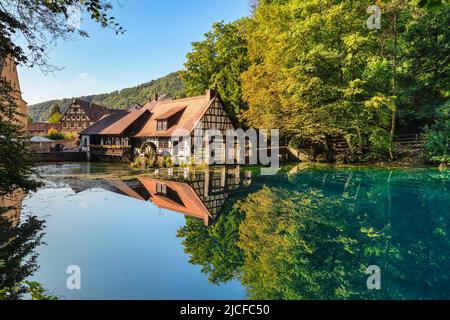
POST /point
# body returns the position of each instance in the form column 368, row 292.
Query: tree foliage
column 55, row 116
column 16, row 170
column 315, row 71
column 42, row 23
column 217, row 63
column 214, row 249
column 18, row 259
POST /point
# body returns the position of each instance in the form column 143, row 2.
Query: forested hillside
column 170, row 84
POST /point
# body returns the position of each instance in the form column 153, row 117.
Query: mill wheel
column 148, row 149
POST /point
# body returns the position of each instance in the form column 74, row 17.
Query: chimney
column 210, row 94
column 155, row 96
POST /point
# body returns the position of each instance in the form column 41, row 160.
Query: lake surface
column 230, row 233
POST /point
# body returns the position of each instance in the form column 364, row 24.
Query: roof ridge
column 182, row 99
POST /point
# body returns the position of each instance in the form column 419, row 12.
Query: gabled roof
column 170, row 113
column 115, row 124
column 190, row 111
column 104, row 125
column 194, row 109
column 94, row 111
column 135, row 107
column 125, row 189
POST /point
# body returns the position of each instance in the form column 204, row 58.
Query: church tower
column 8, row 71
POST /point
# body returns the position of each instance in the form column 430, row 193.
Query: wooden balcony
column 113, row 151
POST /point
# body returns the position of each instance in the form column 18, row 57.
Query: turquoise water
column 230, row 233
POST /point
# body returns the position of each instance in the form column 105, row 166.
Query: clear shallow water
column 229, row 233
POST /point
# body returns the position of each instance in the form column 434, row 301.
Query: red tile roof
column 43, row 127
column 194, row 109
column 125, row 189
column 102, row 125
column 190, row 205
column 170, row 113
column 115, row 124
column 94, row 111
column 191, row 111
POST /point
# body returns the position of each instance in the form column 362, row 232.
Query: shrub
column 299, row 143
column 141, row 163
column 70, row 135
column 379, row 142
column 54, row 134
column 437, row 142
column 167, row 162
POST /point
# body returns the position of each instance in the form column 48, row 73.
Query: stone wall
column 9, row 72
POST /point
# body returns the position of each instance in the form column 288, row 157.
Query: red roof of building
column 170, row 113
column 43, row 127
column 94, row 111
column 189, row 204
column 192, row 109
column 186, row 114
column 102, row 126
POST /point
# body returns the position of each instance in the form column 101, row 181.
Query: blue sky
column 159, row 35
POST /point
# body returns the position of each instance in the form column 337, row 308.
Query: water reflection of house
column 176, row 196
column 201, row 195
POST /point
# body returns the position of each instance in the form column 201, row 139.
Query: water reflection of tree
column 215, row 248
column 311, row 240
column 302, row 245
column 18, row 259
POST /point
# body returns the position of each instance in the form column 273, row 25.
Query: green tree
column 437, row 138
column 432, row 5
column 217, row 63
column 312, row 236
column 297, row 245
column 55, row 115
column 308, row 240
column 18, row 259
column 16, row 170
column 41, row 23
column 310, row 72
column 316, row 71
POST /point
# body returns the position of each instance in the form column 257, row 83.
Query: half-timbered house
column 167, row 126
column 82, row 114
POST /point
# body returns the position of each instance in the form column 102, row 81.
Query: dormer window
column 166, row 191
column 162, row 125
column 161, row 189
